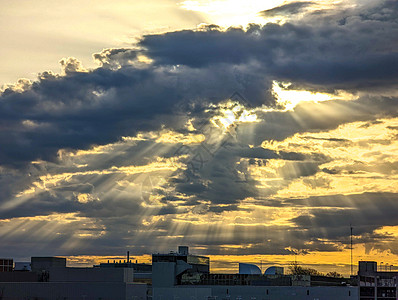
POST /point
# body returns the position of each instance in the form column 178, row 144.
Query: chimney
column 183, row 250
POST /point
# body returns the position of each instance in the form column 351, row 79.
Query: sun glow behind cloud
column 235, row 13
column 231, row 12
column 361, row 158
column 290, row 98
column 231, row 113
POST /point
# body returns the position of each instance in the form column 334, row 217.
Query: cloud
column 310, row 52
column 115, row 58
column 286, row 9
column 71, row 65
column 330, row 216
column 193, row 68
column 328, row 115
column 128, row 147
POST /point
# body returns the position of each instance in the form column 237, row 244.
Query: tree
column 296, row 269
column 334, row 274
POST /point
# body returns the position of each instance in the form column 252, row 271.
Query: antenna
column 351, row 246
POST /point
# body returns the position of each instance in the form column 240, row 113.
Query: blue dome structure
column 249, row 269
column 274, row 271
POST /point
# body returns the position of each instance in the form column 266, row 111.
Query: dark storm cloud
column 45, row 204
column 383, row 167
column 353, row 50
column 257, row 152
column 287, row 9
column 325, row 228
column 324, row 225
column 218, row 180
column 63, row 199
column 224, row 178
column 389, row 12
column 328, row 115
column 359, row 54
column 332, row 221
column 115, row 57
column 99, row 106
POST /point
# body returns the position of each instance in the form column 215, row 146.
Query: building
column 6, row 264
column 22, row 266
column 180, row 275
column 173, row 268
column 374, row 284
column 51, row 279
column 40, row 264
column 142, row 272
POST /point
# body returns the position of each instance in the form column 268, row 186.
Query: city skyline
column 250, row 132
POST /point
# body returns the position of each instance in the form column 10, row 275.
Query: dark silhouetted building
column 51, row 279
column 374, row 284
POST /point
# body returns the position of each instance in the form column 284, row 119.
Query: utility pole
column 351, row 246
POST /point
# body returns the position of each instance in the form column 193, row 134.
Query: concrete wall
column 163, row 274
column 176, row 293
column 45, row 263
column 256, row 293
column 286, row 293
column 18, row 277
column 72, row 291
column 91, row 274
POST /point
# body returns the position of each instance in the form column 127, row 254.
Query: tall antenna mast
column 351, row 246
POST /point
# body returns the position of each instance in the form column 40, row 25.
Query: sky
column 256, row 132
